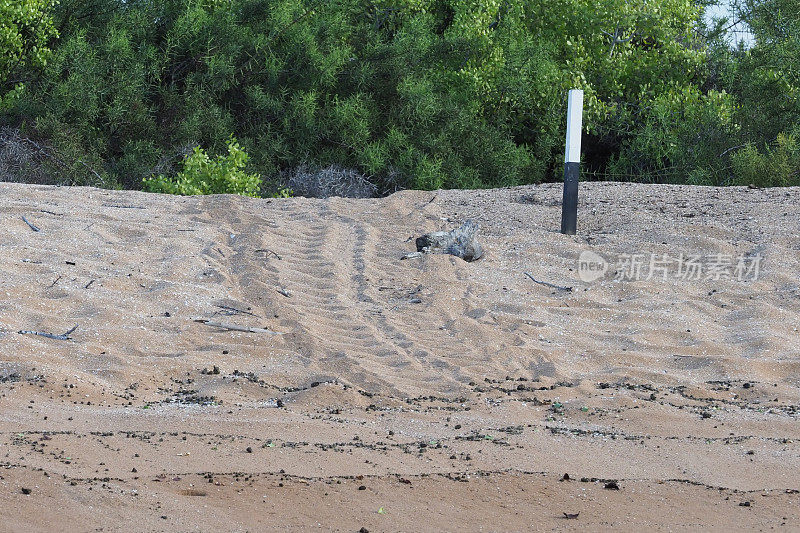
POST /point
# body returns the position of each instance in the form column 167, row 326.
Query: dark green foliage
column 764, row 81
column 416, row 93
column 371, row 86
column 777, row 166
column 767, row 77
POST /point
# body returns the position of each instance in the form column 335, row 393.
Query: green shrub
column 777, row 166
column 427, row 93
column 26, row 26
column 413, row 93
column 224, row 174
column 284, row 192
column 678, row 138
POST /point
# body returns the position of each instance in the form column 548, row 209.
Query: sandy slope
column 457, row 394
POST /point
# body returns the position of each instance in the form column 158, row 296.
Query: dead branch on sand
column 267, row 252
column 235, row 311
column 25, row 220
column 233, row 327
column 546, row 284
column 63, row 337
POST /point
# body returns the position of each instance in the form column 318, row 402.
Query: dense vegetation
column 412, row 93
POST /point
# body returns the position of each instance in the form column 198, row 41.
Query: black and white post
column 572, row 163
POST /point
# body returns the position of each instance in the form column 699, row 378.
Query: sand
column 396, row 395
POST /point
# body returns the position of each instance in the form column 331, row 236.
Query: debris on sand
column 30, row 225
column 61, row 337
column 460, row 242
column 547, row 284
column 233, row 327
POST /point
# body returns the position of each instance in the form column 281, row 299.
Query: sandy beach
column 253, row 365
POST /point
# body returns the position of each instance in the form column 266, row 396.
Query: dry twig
column 233, row 327
column 25, row 220
column 551, row 285
column 63, row 337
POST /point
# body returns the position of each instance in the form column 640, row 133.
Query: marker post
column 572, row 163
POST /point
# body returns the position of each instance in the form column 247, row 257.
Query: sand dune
column 457, row 394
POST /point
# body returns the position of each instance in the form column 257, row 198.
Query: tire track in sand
column 337, row 330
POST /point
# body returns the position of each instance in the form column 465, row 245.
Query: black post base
column 569, row 205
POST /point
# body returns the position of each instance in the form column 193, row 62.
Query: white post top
column 574, row 124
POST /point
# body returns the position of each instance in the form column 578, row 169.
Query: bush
column 327, row 182
column 25, row 160
column 21, row 160
column 413, row 93
column 777, row 166
column 678, row 139
column 201, row 174
column 424, row 93
column 26, row 27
